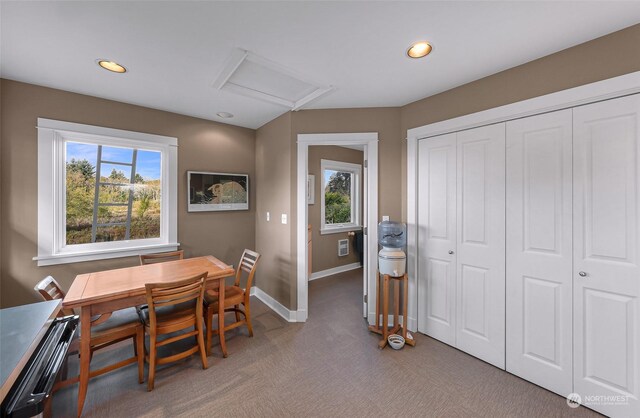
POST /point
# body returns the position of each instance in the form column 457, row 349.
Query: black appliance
column 32, row 390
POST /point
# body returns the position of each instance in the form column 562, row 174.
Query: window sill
column 67, row 258
column 340, row 229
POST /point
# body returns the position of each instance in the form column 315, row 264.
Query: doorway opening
column 335, row 248
column 341, row 217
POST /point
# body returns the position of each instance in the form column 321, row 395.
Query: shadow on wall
column 11, row 287
column 278, row 283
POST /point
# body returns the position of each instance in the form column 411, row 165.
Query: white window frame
column 52, row 136
column 356, row 170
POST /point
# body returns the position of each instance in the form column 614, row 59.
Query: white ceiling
column 175, row 50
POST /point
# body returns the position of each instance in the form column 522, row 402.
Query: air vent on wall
column 343, row 247
column 253, row 76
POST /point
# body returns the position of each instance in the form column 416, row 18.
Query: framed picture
column 217, row 191
column 311, row 189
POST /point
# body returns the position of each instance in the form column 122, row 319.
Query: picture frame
column 214, row 192
column 311, row 189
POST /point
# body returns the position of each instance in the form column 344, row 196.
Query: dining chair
column 106, row 329
column 234, row 296
column 161, row 257
column 173, row 307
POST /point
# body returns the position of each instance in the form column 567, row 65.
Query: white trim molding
column 274, row 305
column 334, row 270
column 577, row 96
column 52, row 248
column 589, row 93
column 369, row 140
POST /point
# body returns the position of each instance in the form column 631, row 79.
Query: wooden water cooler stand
column 384, row 329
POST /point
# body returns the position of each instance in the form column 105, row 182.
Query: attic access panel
column 250, row 75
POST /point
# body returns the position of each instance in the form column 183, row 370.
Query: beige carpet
column 329, row 366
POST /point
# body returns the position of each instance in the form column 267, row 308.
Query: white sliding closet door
column 607, row 254
column 539, row 250
column 480, row 329
column 437, row 237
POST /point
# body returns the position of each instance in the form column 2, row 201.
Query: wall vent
column 343, row 247
column 250, row 75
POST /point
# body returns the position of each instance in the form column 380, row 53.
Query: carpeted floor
column 329, row 366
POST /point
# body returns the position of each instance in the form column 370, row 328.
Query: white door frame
column 588, row 93
column 370, row 142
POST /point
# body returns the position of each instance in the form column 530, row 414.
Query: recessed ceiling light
column 419, row 49
column 111, row 66
column 225, row 115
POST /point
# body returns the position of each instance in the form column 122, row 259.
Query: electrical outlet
column 268, row 216
column 284, row 218
column 385, row 218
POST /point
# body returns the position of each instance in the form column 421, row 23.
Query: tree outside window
column 340, row 200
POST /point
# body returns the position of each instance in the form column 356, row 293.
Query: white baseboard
column 412, row 323
column 277, row 307
column 334, row 270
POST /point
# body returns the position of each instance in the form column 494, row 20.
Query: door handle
column 582, row 274
column 450, row 251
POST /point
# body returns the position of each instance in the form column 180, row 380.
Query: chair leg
column 152, row 361
column 203, row 352
column 139, row 349
column 247, row 317
column 237, row 307
column 209, row 319
column 223, row 344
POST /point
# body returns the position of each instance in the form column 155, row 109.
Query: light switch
column 385, row 218
column 268, row 216
column 284, row 218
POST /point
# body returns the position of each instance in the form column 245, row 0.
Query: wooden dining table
column 104, row 292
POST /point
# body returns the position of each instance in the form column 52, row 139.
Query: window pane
column 337, row 197
column 113, row 194
column 115, row 173
column 80, row 191
column 110, row 233
column 112, row 214
column 144, row 216
column 120, row 155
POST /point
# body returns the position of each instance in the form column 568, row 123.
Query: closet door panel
column 607, row 253
column 539, row 250
column 481, row 243
column 437, row 237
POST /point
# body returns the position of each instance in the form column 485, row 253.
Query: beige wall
column 203, row 145
column 325, row 247
column 276, row 154
column 609, row 56
column 274, row 159
column 273, row 185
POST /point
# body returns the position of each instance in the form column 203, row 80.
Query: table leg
column 85, row 355
column 223, row 344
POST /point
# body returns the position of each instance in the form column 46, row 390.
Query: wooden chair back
column 174, row 293
column 248, row 263
column 161, row 257
column 49, row 289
